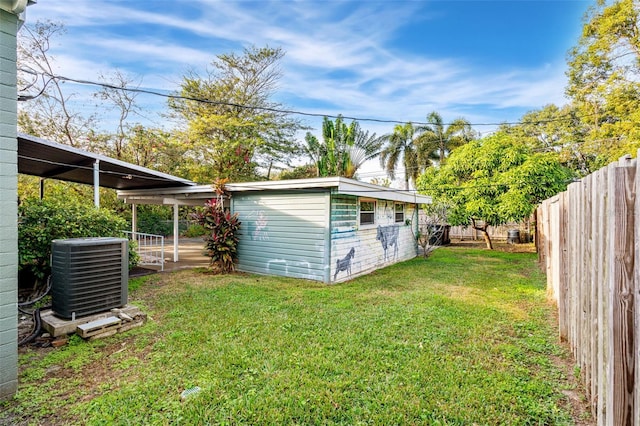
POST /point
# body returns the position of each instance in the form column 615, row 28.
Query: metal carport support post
column 176, row 232
column 96, row 183
column 134, row 218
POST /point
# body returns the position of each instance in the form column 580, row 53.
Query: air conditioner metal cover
column 89, row 275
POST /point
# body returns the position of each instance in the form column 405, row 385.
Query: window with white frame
column 367, row 212
column 399, row 211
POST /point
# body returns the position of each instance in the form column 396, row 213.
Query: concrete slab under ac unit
column 98, row 327
column 60, row 327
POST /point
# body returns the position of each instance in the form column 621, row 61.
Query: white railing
column 150, row 248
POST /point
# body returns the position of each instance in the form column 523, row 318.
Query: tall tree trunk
column 487, row 239
column 485, row 233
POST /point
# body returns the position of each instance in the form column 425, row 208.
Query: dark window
column 399, row 213
column 367, row 212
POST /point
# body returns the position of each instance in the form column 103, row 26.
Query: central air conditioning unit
column 88, row 275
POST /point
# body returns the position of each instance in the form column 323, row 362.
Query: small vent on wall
column 89, row 275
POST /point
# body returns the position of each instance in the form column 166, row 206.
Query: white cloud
column 340, row 56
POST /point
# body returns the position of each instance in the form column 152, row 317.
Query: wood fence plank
column 576, row 281
column 636, row 236
column 602, row 297
column 579, row 260
column 554, row 246
column 621, row 395
column 549, row 248
column 571, row 305
column 591, row 304
column 563, row 285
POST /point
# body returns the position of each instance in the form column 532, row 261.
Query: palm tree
column 401, row 144
column 364, row 148
column 344, row 148
column 436, row 142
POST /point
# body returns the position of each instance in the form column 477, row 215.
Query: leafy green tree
column 554, row 129
column 300, row 172
column 232, row 125
column 436, row 141
column 343, row 149
column 70, row 193
column 401, row 146
column 492, row 181
column 603, row 81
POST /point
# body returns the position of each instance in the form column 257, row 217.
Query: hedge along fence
column 589, row 243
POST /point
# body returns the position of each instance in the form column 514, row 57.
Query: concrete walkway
column 190, row 255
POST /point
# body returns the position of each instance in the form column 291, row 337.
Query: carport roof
column 195, row 195
column 47, row 159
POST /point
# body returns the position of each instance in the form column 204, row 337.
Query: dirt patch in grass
column 575, row 391
column 97, row 377
column 497, row 245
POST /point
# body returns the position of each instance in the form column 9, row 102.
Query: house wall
column 284, row 233
column 9, row 212
column 359, row 250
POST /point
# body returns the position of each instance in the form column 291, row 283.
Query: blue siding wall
column 284, row 234
column 9, row 211
column 358, row 250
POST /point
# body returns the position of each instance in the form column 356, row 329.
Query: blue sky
column 486, row 61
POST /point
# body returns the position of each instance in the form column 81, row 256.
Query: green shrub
column 42, row 221
column 194, row 231
column 154, row 221
column 134, row 257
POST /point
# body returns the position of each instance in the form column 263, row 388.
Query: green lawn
column 463, row 337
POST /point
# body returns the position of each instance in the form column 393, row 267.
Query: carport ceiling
column 46, row 159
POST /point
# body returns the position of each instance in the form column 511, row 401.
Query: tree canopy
column 228, row 125
column 603, row 81
column 232, row 125
column 553, row 129
column 494, row 180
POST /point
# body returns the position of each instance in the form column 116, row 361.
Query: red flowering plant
column 221, row 241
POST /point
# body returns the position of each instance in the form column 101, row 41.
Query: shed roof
column 195, row 195
column 43, row 158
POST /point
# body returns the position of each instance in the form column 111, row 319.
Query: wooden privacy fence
column 588, row 244
column 498, row 233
